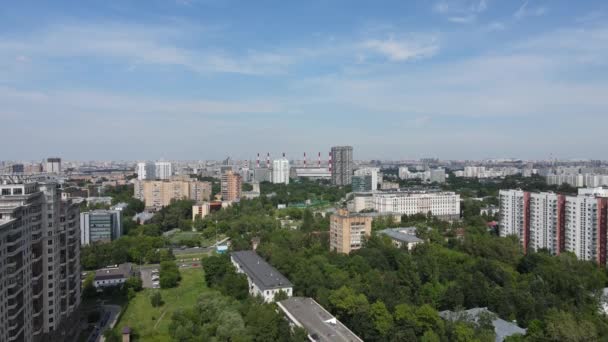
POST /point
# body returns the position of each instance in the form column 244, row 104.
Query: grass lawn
column 152, row 324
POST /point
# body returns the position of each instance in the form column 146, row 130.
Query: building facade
column 341, row 165
column 347, row 231
column 280, row 171
column 231, row 186
column 39, row 262
column 362, row 183
column 445, row 205
column 100, row 226
column 556, row 222
column 163, row 170
column 157, row 193
column 53, row 165
column 146, row 171
column 372, row 172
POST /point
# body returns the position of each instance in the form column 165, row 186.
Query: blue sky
column 203, row 79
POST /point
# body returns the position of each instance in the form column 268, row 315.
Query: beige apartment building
column 348, row 230
column 159, row 193
column 39, row 262
column 231, row 186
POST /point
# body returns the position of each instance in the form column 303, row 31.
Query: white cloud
column 524, row 11
column 462, row 20
column 461, row 11
column 496, row 26
column 141, row 45
column 404, row 49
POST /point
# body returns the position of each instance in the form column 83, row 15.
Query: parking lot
column 150, row 278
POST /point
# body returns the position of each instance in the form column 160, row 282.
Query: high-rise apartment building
column 163, row 170
column 556, row 222
column 231, row 186
column 39, row 262
column 280, row 171
column 158, row 193
column 341, row 165
column 347, row 231
column 53, row 165
column 100, row 226
column 146, row 171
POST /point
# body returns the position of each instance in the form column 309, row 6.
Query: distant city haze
column 206, row 79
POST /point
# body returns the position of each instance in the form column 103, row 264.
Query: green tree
column 383, row 320
column 156, row 299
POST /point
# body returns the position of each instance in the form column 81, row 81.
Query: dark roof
column 402, row 234
column 259, row 271
column 320, row 324
column 117, row 272
column 502, row 328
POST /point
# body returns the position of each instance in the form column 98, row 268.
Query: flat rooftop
column 318, row 322
column 259, row 271
column 115, row 272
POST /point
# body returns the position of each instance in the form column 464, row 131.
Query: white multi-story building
column 280, row 171
column 558, row 223
column 437, row 176
column 163, row 170
column 39, row 262
column 53, row 165
column 264, row 280
column 146, row 171
column 372, row 172
column 445, row 205
column 511, row 212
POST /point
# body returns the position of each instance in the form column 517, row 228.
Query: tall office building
column 53, row 165
column 100, row 226
column 163, row 170
column 347, row 231
column 576, row 224
column 39, row 262
column 362, row 183
column 341, row 165
column 231, row 186
column 280, row 171
column 159, row 193
column 373, row 173
column 146, row 171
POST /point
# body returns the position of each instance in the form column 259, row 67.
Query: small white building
column 264, row 280
column 113, row 275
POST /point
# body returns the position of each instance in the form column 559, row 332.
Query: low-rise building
column 403, row 237
column 113, row 275
column 502, row 328
column 320, row 325
column 264, row 280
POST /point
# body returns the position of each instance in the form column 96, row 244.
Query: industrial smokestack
column 258, row 161
column 319, row 159
column 304, row 159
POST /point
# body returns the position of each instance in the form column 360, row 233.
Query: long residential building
column 264, row 280
column 160, row 193
column 39, row 262
column 557, row 222
column 445, row 205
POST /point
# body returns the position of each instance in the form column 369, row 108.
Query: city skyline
column 450, row 79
